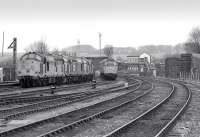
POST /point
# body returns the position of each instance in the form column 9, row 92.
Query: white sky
column 122, row 22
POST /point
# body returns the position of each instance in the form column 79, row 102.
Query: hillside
column 158, row 52
column 82, row 50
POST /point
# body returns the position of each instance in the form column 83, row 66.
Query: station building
column 136, row 64
column 146, row 57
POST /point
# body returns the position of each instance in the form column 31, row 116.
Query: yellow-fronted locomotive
column 35, row 69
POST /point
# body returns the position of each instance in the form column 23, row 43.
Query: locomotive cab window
column 56, row 66
column 47, row 66
column 82, row 66
column 41, row 68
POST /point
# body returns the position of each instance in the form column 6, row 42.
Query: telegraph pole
column 79, row 47
column 78, row 42
column 100, row 42
column 13, row 45
column 3, row 44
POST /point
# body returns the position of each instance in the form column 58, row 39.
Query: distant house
column 146, row 57
column 137, row 63
column 132, row 64
column 133, row 59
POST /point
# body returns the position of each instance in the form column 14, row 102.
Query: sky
column 122, row 23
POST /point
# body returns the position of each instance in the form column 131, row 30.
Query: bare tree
column 195, row 35
column 193, row 44
column 191, row 47
column 38, row 46
column 108, row 50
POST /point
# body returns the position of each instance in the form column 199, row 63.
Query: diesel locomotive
column 109, row 69
column 35, row 69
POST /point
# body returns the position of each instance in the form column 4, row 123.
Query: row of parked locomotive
column 36, row 69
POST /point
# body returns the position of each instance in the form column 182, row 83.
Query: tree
column 193, row 43
column 39, row 47
column 195, row 35
column 108, row 50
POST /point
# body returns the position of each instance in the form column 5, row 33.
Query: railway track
column 64, row 100
column 9, row 86
column 9, row 83
column 156, row 121
column 91, row 124
column 5, row 133
column 39, row 90
column 34, row 96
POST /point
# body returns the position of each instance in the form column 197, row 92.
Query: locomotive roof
column 48, row 56
column 53, row 57
column 57, row 57
column 31, row 53
column 83, row 59
column 108, row 59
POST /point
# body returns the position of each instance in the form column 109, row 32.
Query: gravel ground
column 189, row 123
column 110, row 121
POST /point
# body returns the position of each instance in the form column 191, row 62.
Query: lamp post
column 3, row 44
column 100, row 43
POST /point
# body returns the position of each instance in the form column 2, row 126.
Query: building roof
column 145, row 54
column 132, row 56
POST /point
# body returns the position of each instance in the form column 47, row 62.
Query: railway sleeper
column 46, row 108
column 83, row 120
column 54, row 107
column 39, row 122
